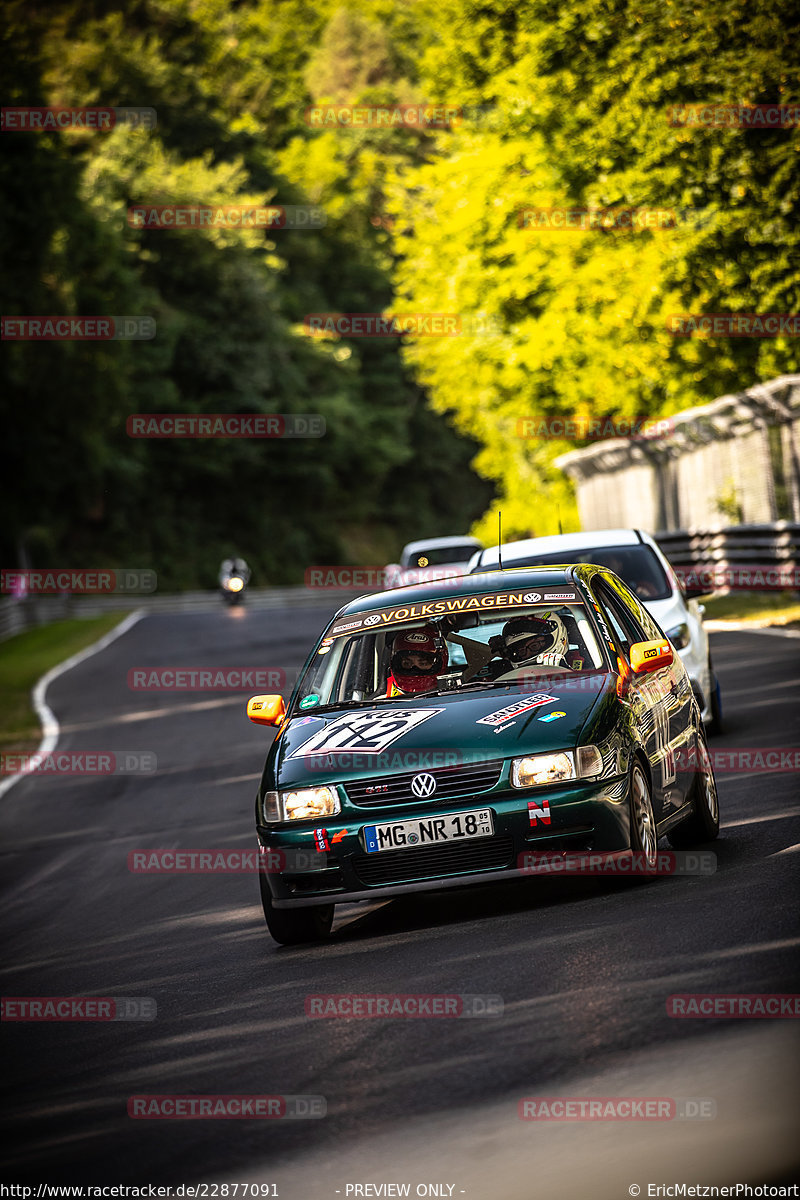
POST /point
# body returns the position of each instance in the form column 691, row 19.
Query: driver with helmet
column 530, row 641
column 418, row 656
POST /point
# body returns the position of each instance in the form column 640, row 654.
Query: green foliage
column 578, row 101
column 229, row 84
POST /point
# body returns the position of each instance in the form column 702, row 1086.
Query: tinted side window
column 626, row 627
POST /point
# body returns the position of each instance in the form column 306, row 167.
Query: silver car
column 636, row 558
column 431, row 559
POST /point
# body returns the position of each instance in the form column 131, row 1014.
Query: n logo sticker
column 539, row 814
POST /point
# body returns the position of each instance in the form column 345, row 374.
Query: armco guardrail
column 730, row 558
column 18, row 615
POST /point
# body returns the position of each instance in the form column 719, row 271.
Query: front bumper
column 586, row 816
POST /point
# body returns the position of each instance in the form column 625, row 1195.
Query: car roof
column 513, row 579
column 566, row 542
column 440, row 543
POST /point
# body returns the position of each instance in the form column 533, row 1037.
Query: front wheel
column 292, row 926
column 703, row 824
column 644, row 835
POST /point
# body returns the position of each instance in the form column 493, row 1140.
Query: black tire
column 292, row 926
column 644, row 834
column 703, row 824
column 714, row 725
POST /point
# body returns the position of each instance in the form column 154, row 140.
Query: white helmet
column 536, row 639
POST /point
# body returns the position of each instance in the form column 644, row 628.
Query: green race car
column 448, row 734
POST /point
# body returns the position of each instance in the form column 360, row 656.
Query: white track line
column 47, row 718
column 743, row 627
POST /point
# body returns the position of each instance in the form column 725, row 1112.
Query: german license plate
column 444, row 827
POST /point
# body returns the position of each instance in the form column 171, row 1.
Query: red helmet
column 418, row 656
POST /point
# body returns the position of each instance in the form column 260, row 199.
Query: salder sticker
column 364, row 732
column 437, row 608
column 516, row 709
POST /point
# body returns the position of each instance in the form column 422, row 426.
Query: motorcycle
column 234, row 575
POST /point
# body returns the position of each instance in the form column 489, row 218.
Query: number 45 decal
column 665, row 751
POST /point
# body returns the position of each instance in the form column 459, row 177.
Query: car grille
column 467, row 780
column 431, row 862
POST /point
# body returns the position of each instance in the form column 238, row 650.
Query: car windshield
column 439, row 556
column 388, row 658
column 636, row 565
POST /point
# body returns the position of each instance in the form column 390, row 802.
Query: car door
column 653, row 697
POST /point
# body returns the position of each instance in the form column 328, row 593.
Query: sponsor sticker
column 309, row 701
column 511, row 711
column 321, row 840
column 548, row 596
column 365, row 732
column 553, row 716
column 538, row 812
column 437, row 608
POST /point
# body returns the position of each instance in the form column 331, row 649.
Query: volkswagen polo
column 439, row 733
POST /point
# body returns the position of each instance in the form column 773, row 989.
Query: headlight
column 305, row 804
column 538, row 770
column 234, row 584
column 679, row 636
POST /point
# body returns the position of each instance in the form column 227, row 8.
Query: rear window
column 636, row 565
column 440, row 556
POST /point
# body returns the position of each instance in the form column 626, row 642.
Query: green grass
column 28, row 656
column 768, row 608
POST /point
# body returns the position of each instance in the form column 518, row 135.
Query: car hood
column 435, row 731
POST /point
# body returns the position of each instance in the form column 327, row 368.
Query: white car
column 636, row 558
column 431, row 559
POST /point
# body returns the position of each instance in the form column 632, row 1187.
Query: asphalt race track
column 584, row 967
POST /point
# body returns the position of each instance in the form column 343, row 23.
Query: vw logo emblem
column 371, row 620
column 531, row 597
column 423, row 785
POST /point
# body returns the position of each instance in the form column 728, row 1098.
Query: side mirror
column 266, row 710
column 651, row 656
